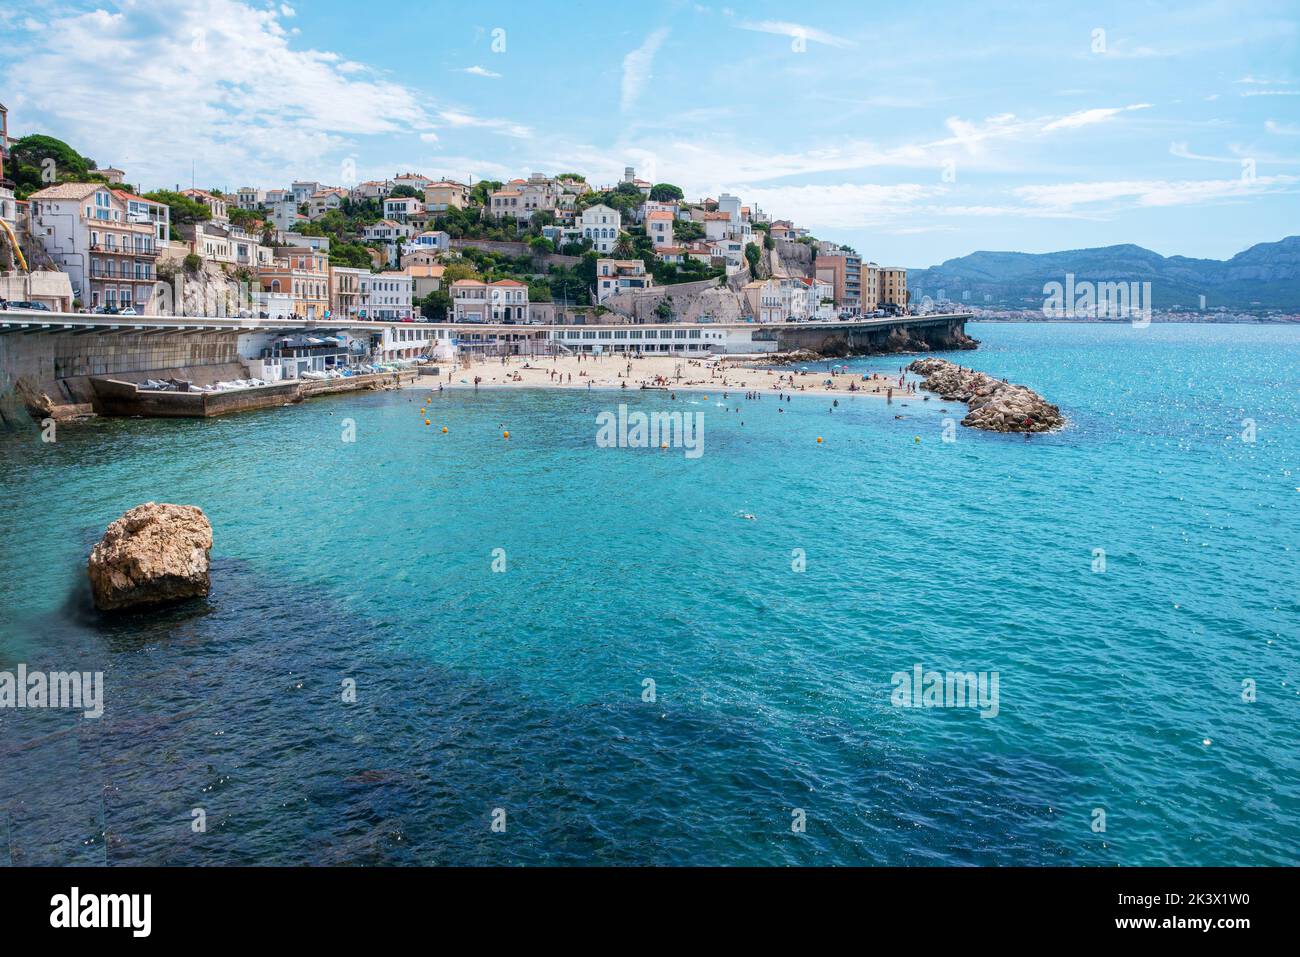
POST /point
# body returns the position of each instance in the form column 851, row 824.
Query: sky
column 912, row 132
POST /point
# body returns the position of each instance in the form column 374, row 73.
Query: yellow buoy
column 917, row 437
column 505, row 435
column 444, row 428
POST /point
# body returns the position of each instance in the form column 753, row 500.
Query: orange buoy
column 444, row 428
column 819, row 440
column 505, row 435
column 426, row 421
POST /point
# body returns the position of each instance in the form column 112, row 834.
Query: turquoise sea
column 525, row 689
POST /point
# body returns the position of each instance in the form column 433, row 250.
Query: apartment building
column 620, row 275
column 87, row 230
column 843, row 270
column 345, row 291
column 505, row 300
column 401, row 208
column 893, row 286
column 444, row 195
column 141, row 210
column 386, row 296
column 303, row 273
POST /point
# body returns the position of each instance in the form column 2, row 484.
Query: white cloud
column 477, row 70
column 1065, row 196
column 637, row 65
column 217, row 81
column 503, row 127
column 1282, row 129
column 428, row 137
column 1089, row 117
column 843, row 206
column 796, row 31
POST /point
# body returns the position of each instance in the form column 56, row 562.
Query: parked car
column 129, row 311
column 39, row 306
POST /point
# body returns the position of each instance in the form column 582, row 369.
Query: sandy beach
column 666, row 373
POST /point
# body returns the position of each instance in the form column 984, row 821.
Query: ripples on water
column 523, row 690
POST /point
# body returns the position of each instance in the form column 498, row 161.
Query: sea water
column 455, row 648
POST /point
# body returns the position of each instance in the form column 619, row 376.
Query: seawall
column 908, row 334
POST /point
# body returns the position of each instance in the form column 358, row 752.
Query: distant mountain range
column 1265, row 276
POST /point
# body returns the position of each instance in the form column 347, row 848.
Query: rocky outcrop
column 995, row 405
column 151, row 555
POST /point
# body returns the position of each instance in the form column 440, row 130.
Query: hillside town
column 541, row 249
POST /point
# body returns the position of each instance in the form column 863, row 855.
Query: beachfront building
column 386, row 297
column 304, row 273
column 345, row 291
column 444, row 195
column 600, row 224
column 893, row 287
column 870, row 288
column 86, row 229
column 842, row 268
column 505, row 300
column 250, row 197
column 620, row 275
column 794, row 299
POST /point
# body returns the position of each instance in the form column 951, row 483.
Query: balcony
column 149, row 253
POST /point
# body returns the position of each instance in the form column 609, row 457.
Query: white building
column 386, row 296
column 601, row 224
column 401, row 208
column 433, row 240
column 85, row 228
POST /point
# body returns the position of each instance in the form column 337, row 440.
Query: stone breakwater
column 995, row 405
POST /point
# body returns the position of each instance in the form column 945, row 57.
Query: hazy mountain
column 1266, row 275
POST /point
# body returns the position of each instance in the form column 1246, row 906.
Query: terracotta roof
column 717, row 217
column 660, row 214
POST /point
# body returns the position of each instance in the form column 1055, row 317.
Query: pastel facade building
column 505, row 300
column 87, row 230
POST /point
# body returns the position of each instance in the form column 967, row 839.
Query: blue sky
column 914, row 132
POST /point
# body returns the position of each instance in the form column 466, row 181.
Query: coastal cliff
column 995, row 405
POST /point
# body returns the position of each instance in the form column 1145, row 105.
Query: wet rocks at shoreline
column 994, row 405
column 152, row 555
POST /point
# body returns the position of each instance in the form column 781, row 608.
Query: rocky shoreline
column 995, row 404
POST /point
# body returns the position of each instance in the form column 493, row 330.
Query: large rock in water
column 152, row 554
column 995, row 405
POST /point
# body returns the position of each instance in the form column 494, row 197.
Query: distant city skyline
column 912, row 135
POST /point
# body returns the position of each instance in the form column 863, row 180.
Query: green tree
column 541, row 245
column 184, row 211
column 666, row 193
column 752, row 256
column 404, row 190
